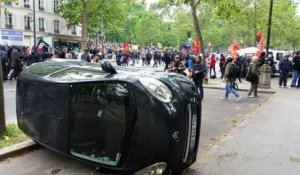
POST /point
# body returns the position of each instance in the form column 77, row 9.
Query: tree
column 91, row 14
column 2, row 104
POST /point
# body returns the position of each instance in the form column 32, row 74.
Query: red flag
column 197, row 46
column 126, row 47
column 260, row 46
column 234, row 48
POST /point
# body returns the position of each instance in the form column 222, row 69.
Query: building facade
column 17, row 21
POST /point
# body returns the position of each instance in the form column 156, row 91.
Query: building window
column 41, row 24
column 55, row 6
column 8, row 21
column 41, row 5
column 27, row 21
column 56, row 26
column 73, row 30
column 26, row 4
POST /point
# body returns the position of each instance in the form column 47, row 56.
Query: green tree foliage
column 94, row 15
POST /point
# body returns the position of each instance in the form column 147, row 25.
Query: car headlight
column 158, row 89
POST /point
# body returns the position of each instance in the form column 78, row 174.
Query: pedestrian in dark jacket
column 17, row 63
column 230, row 81
column 167, row 60
column 156, row 58
column 296, row 69
column 4, row 61
column 222, row 64
column 198, row 73
column 262, row 59
column 253, row 69
column 86, row 56
column 285, row 67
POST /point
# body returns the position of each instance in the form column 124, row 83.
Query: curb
column 244, row 90
column 17, row 149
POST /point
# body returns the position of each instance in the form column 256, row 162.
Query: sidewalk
column 266, row 143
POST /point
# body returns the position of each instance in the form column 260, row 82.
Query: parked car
column 121, row 119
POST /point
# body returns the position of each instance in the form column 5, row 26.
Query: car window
column 279, row 56
column 75, row 74
column 43, row 70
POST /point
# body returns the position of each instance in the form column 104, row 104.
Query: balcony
column 56, row 31
column 73, row 33
column 8, row 26
column 27, row 28
column 42, row 8
column 27, row 6
column 42, row 29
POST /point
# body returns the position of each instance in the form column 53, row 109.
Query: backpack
column 235, row 71
column 286, row 66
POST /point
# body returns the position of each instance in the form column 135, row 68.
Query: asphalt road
column 218, row 118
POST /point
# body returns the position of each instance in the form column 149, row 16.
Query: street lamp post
column 269, row 28
column 34, row 28
column 265, row 70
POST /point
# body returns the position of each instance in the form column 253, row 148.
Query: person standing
column 222, row 64
column 198, row 73
column 167, row 60
column 148, row 58
column 230, row 80
column 212, row 65
column 296, row 68
column 177, row 66
column 285, row 67
column 86, row 56
column 238, row 63
column 253, row 69
column 155, row 58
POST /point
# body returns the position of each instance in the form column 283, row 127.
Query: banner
column 42, row 44
column 197, row 46
column 126, row 47
column 135, row 47
column 234, row 48
column 260, row 45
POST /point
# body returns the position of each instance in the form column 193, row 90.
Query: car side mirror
column 107, row 67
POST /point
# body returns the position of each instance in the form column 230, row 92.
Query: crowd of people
column 181, row 61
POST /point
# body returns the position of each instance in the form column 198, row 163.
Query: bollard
column 265, row 77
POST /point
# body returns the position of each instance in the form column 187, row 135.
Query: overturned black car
column 122, row 120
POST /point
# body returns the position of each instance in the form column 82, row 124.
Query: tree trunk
column 198, row 31
column 197, row 25
column 84, row 23
column 2, row 110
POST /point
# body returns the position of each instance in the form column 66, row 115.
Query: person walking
column 285, row 67
column 17, row 63
column 198, row 73
column 254, row 73
column 230, row 80
column 296, row 69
